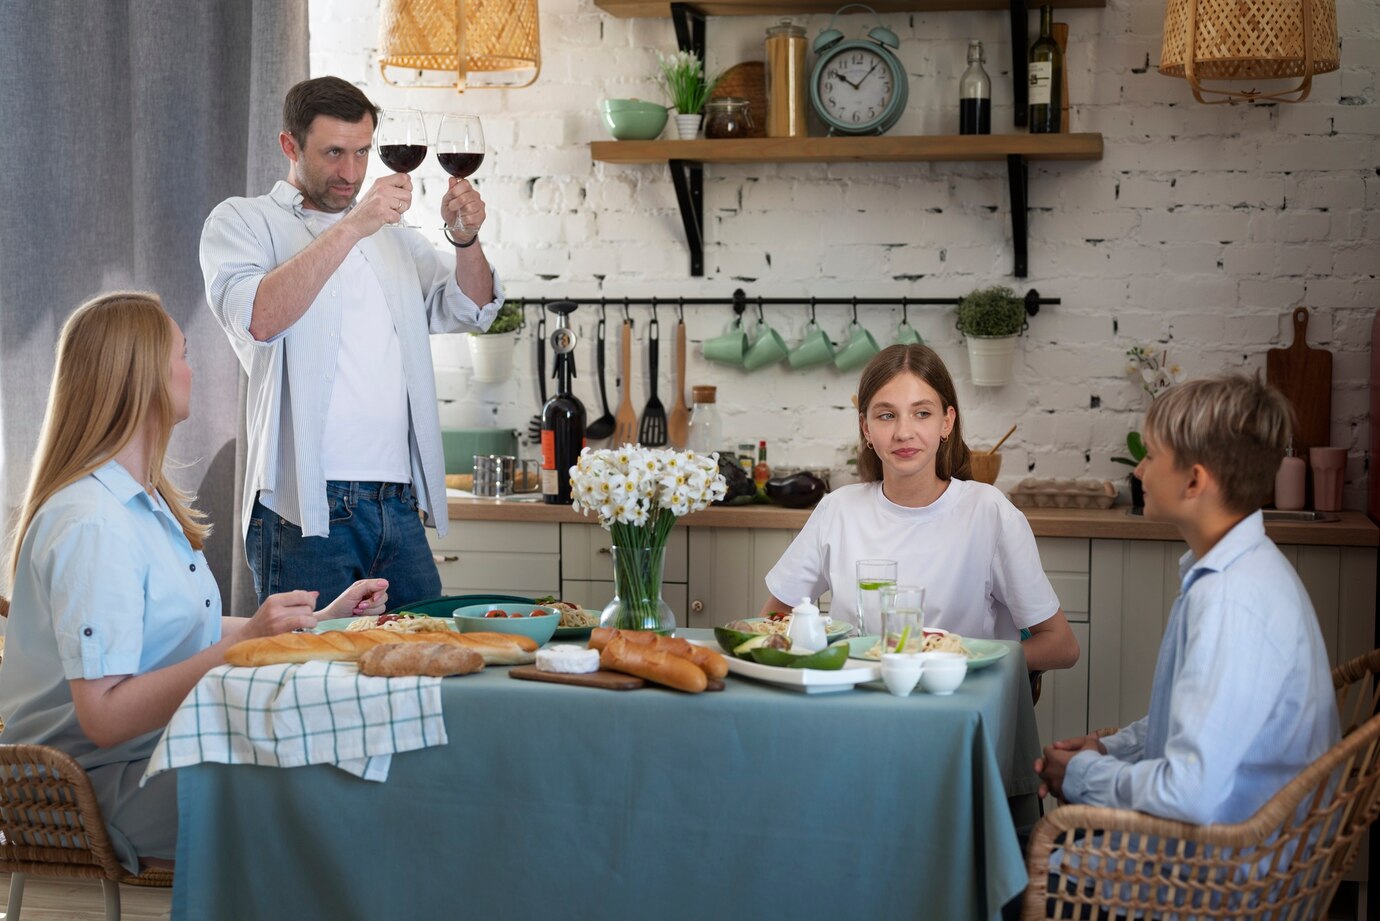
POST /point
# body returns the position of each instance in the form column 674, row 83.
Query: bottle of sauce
column 975, row 95
column 761, row 473
column 562, row 418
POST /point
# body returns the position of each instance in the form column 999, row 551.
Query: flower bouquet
column 638, row 493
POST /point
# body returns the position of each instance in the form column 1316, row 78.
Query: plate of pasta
column 981, row 653
column 576, row 622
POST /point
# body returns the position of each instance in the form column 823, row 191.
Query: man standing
column 329, row 311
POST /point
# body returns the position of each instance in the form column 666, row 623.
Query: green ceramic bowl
column 472, row 619
column 633, row 119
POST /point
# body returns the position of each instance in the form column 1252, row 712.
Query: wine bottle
column 975, row 95
column 1046, row 61
column 562, row 419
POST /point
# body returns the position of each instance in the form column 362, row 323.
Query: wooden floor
column 82, row 900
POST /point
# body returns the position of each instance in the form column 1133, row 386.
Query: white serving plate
column 807, row 680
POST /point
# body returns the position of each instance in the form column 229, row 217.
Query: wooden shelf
column 944, row 147
column 625, row 9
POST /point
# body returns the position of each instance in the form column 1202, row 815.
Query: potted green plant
column 991, row 319
column 491, row 352
column 683, row 76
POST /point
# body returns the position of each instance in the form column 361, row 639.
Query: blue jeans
column 375, row 533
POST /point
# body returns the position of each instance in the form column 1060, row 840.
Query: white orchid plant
column 1156, row 375
column 682, row 73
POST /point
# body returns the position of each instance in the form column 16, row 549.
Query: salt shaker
column 807, row 628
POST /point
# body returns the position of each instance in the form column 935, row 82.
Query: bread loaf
column 654, row 664
column 437, row 660
column 498, row 648
column 710, row 662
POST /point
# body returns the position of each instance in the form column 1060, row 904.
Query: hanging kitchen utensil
column 652, row 431
column 534, row 426
column 625, row 420
column 603, row 426
column 678, row 429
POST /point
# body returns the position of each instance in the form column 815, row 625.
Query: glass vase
column 637, row 603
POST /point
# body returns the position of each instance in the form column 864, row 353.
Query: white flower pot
column 492, row 356
column 990, row 359
column 688, row 126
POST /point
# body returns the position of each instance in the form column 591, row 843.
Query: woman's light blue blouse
column 107, row 584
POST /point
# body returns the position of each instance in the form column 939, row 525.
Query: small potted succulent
column 683, row 76
column 492, row 351
column 991, row 319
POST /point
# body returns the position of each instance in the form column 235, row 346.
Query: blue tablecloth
column 564, row 802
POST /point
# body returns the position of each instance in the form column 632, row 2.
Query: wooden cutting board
column 609, row 681
column 1304, row 375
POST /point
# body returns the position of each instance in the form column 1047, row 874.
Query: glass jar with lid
column 727, row 117
column 706, row 431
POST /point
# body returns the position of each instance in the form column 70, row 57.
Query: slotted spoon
column 603, row 426
column 652, row 431
column 625, row 420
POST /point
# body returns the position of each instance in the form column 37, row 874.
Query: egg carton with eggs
column 1053, row 492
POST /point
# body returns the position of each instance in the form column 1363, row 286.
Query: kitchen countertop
column 1353, row 529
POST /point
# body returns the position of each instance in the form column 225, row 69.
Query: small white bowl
column 942, row 672
column 900, row 672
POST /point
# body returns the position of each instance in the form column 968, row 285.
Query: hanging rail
column 740, row 301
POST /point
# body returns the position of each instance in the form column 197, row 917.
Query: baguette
column 709, row 661
column 498, row 648
column 437, row 660
column 653, row 664
column 293, row 648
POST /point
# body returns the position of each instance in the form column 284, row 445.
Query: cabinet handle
column 697, row 606
column 605, row 551
column 445, row 558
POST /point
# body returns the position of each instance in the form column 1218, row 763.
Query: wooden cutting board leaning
column 1304, row 375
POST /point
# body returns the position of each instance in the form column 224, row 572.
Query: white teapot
column 807, row 628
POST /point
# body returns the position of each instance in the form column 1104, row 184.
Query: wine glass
column 460, row 150
column 401, row 143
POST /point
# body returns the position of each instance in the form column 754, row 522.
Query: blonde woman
column 114, row 614
column 962, row 540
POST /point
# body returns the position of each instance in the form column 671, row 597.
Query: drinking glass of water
column 903, row 618
column 873, row 576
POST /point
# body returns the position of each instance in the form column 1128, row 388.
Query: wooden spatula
column 625, row 420
column 678, row 429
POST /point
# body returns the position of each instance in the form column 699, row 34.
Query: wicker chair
column 1284, row 862
column 51, row 825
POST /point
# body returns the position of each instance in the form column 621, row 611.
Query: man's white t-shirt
column 971, row 550
column 367, row 423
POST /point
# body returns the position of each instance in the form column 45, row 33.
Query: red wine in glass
column 401, row 142
column 460, row 165
column 460, row 149
column 402, row 158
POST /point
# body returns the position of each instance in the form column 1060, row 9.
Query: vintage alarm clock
column 858, row 86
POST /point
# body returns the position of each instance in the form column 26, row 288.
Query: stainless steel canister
column 786, row 77
column 493, row 475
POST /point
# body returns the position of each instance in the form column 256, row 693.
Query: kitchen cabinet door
column 594, row 594
column 586, row 554
column 728, row 568
column 1063, row 708
column 503, row 557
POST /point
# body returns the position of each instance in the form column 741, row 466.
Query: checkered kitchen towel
column 291, row 715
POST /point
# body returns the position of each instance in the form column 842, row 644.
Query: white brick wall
column 1199, row 230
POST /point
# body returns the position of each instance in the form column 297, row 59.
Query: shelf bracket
column 1020, row 49
column 688, row 178
column 689, row 23
column 1018, row 178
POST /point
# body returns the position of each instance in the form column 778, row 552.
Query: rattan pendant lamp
column 1249, row 40
column 460, row 38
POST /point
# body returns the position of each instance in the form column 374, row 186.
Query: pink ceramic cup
column 1329, row 473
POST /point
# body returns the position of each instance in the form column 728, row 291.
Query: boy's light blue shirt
column 107, row 584
column 1242, row 697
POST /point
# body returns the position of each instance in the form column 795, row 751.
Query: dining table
column 558, row 801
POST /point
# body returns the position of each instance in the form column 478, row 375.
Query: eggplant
column 800, row 490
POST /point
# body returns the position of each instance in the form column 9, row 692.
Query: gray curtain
column 122, row 124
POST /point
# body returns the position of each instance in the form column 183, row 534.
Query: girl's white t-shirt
column 971, row 550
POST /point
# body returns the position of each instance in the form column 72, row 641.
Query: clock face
column 855, row 87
